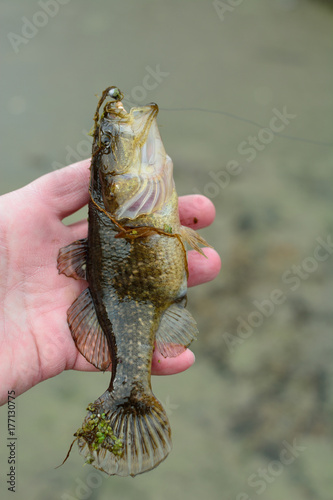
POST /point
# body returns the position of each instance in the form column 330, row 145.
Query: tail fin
column 125, row 438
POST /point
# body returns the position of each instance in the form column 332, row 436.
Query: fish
column 135, row 262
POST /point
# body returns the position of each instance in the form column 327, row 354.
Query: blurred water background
column 251, row 419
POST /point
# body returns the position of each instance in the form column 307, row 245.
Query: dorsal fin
column 86, row 331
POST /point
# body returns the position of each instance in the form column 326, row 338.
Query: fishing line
column 246, row 120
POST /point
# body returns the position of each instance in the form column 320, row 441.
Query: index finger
column 65, row 190
column 196, row 211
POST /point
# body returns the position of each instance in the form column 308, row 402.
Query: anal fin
column 176, row 331
column 193, row 239
column 86, row 331
column 72, row 259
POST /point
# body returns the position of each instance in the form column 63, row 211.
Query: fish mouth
column 150, row 152
column 139, row 118
column 152, row 149
column 124, row 134
column 115, row 121
column 142, row 120
column 131, row 131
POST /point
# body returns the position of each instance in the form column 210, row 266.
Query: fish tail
column 125, row 438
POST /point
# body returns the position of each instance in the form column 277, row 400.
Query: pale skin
column 35, row 341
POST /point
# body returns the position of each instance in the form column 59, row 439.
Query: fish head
column 135, row 171
column 123, row 134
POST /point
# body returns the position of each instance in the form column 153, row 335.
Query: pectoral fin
column 72, row 259
column 193, row 239
column 176, row 331
column 86, row 331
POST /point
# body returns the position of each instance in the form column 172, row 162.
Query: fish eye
column 105, row 142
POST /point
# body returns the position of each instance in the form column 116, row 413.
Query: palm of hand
column 35, row 340
column 34, row 298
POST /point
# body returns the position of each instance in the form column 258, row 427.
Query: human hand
column 35, row 341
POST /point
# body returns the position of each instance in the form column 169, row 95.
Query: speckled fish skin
column 132, row 281
column 135, row 263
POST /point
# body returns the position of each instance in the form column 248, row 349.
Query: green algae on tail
column 98, row 433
